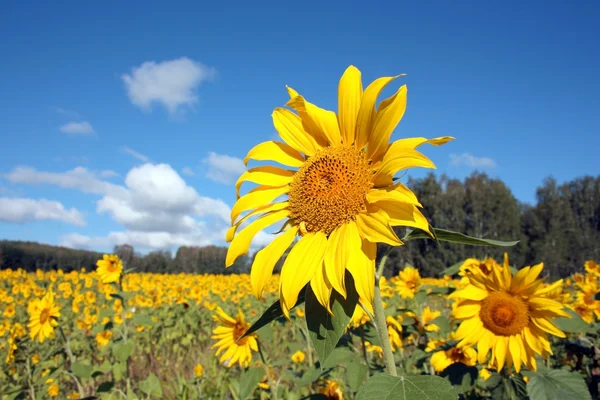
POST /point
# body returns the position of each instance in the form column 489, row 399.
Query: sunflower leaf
column 249, row 381
column 461, row 376
column 407, row 387
column 271, row 314
column 573, row 324
column 324, row 329
column 444, row 235
column 557, row 384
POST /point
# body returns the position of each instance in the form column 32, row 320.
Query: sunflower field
column 486, row 330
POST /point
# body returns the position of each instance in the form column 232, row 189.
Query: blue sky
column 126, row 122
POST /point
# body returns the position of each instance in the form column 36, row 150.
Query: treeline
column 562, row 229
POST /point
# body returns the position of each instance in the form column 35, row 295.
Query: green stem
column 304, row 331
column 379, row 321
column 272, row 387
column 30, row 380
column 364, row 347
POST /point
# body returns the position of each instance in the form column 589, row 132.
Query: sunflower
column 342, row 197
column 109, row 268
column 227, row 334
column 408, row 282
column 509, row 315
column 298, row 357
column 440, row 360
column 43, row 314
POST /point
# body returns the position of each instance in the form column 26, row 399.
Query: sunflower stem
column 379, row 321
column 272, row 387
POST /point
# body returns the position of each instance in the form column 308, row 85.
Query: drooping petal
column 350, row 92
column 361, row 264
column 367, row 111
column 256, row 199
column 241, row 242
column 336, row 258
column 325, row 120
column 397, row 192
column 500, row 351
column 483, row 346
column 515, row 352
column 299, row 267
column 547, row 326
column 413, row 143
column 402, row 214
column 389, row 114
column 265, row 260
column 375, row 227
column 397, row 159
column 469, row 293
column 321, row 287
column 466, row 309
column 289, row 126
column 265, row 175
column 275, row 151
column 262, row 209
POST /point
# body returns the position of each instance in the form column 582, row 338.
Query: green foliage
column 356, row 374
column 573, row 324
column 122, row 351
column 407, row 387
column 461, row 376
column 556, row 384
column 151, row 386
column 82, row 370
column 249, row 381
column 325, row 329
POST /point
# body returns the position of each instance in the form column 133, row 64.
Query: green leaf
column 339, row 356
column 151, row 386
column 105, row 387
column 356, row 373
column 461, row 376
column 557, row 384
column 271, row 314
column 119, row 370
column 430, row 289
column 249, row 381
column 407, row 387
column 444, row 235
column 518, row 386
column 81, row 370
column 310, row 376
column 406, row 321
column 122, row 351
column 443, row 323
column 452, row 270
column 324, row 329
column 573, row 324
column 420, row 297
column 141, row 319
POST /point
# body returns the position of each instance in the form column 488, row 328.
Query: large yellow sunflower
column 509, row 315
column 43, row 315
column 342, row 197
column 109, row 268
column 227, row 333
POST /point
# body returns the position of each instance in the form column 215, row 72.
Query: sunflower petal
column 367, row 113
column 256, row 199
column 398, row 192
column 265, row 175
column 299, row 267
column 275, row 151
column 321, row 287
column 361, row 265
column 350, row 92
column 515, row 352
column 289, row 126
column 241, row 242
column 397, row 159
column 336, row 258
column 389, row 114
column 413, row 143
column 325, row 120
column 402, row 214
column 375, row 227
column 262, row 209
column 265, row 260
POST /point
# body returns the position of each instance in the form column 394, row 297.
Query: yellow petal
column 241, row 243
column 515, row 352
column 469, row 293
column 547, row 326
column 307, row 123
column 397, row 159
column 361, row 264
column 375, row 227
column 389, row 114
column 402, row 214
column 265, row 260
column 349, row 99
column 367, row 112
column 467, row 309
column 299, row 267
column 265, row 175
column 289, row 127
column 262, row 209
column 483, row 347
column 500, row 351
column 413, row 143
column 398, row 192
column 321, row 287
column 256, row 199
column 275, row 151
column 325, row 120
column 336, row 258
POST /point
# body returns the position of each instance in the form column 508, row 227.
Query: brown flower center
column 44, row 315
column 330, row 189
column 504, row 314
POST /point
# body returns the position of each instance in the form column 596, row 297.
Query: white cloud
column 224, row 169
column 471, row 161
column 172, row 84
column 135, row 154
column 82, row 128
column 155, row 206
column 108, row 173
column 20, row 210
column 67, row 113
column 188, row 171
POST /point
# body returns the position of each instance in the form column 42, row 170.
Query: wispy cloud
column 471, row 161
column 172, row 84
column 188, row 171
column 67, row 113
column 223, row 168
column 82, row 128
column 135, row 154
column 20, row 210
